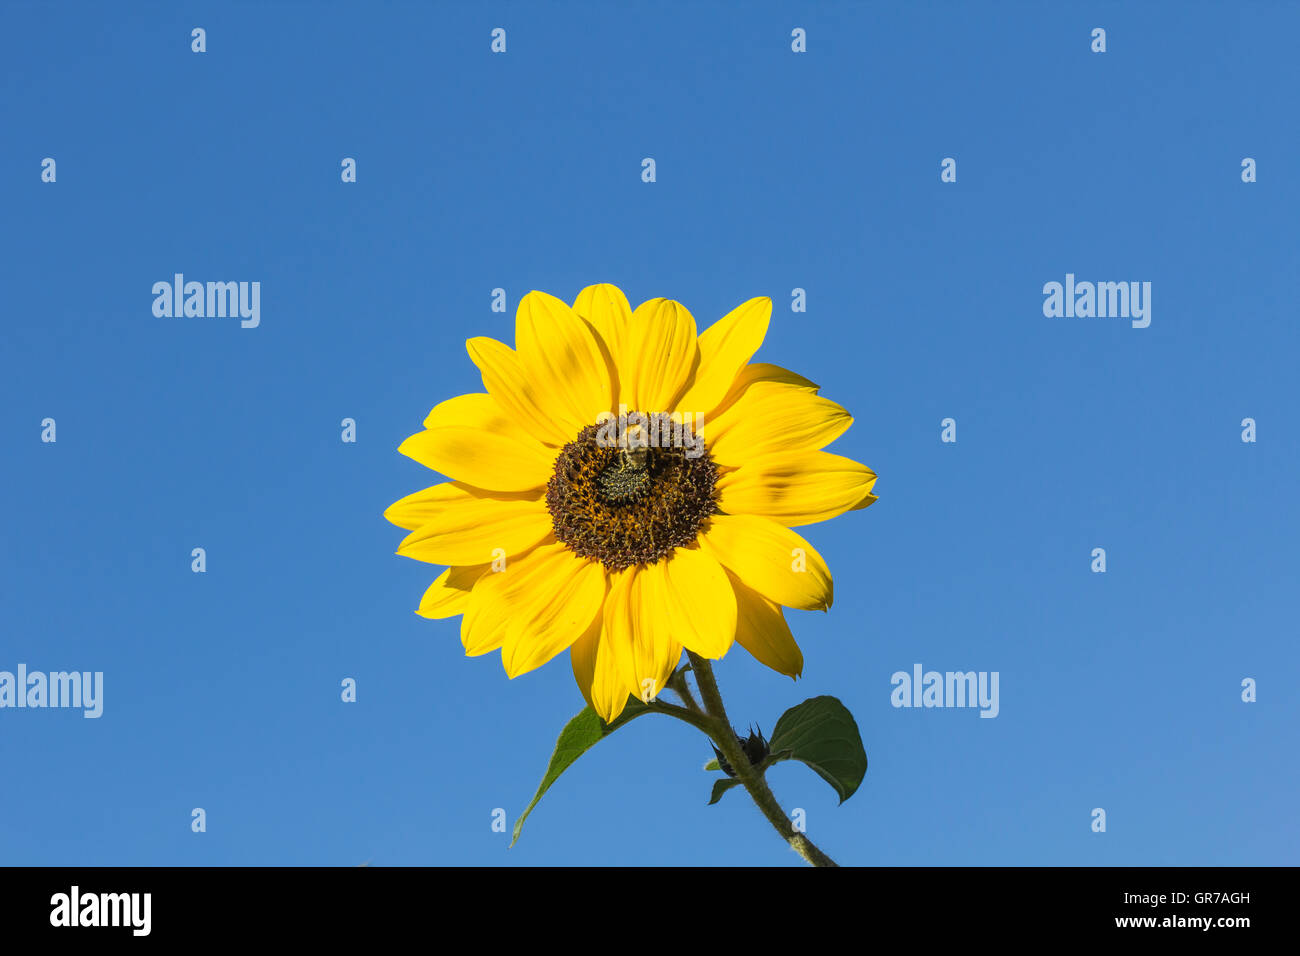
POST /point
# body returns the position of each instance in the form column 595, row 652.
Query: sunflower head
column 628, row 503
column 625, row 487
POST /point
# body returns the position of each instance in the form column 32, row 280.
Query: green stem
column 695, row 718
column 677, row 683
column 725, row 738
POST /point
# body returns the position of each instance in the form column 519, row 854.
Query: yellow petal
column 548, row 598
column 477, row 530
column 564, row 358
column 560, row 606
column 449, row 594
column 762, row 630
column 762, row 372
column 517, row 395
column 660, row 356
column 725, row 348
column 770, row 417
column 469, row 439
column 607, row 309
column 797, row 487
column 487, row 617
column 415, row 509
column 422, row 506
column 773, row 560
column 599, row 673
column 700, row 601
column 639, row 631
column 539, row 604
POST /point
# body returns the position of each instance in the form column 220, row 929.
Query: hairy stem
column 725, row 737
column 700, row 721
column 677, row 683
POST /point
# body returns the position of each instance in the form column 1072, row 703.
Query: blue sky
column 775, row 171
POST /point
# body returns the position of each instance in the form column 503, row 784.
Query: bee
column 627, row 476
column 633, row 459
column 634, row 450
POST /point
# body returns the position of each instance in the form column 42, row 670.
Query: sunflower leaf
column 720, row 787
column 713, row 765
column 578, row 736
column 822, row 733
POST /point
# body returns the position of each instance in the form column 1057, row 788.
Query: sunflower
column 625, row 488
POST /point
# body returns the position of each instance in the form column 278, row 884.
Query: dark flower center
column 624, row 502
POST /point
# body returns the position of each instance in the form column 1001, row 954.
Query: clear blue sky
column 775, row 170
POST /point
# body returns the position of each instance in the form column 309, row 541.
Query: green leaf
column 578, row 736
column 713, row 765
column 823, row 734
column 722, row 786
